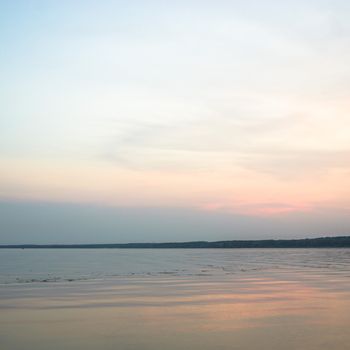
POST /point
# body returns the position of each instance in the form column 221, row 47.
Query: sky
column 126, row 121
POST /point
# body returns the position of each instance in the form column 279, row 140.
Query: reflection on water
column 288, row 306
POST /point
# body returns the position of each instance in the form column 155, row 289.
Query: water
column 249, row 299
column 48, row 265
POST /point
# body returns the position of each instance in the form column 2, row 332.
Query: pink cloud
column 258, row 209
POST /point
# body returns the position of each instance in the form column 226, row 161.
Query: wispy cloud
column 228, row 106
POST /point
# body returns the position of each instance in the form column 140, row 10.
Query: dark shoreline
column 321, row 242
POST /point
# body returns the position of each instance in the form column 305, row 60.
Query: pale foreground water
column 175, row 299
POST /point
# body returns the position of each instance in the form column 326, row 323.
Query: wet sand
column 295, row 309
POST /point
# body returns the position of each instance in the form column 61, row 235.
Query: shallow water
column 175, row 299
column 49, row 265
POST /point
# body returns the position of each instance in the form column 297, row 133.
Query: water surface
column 175, row 299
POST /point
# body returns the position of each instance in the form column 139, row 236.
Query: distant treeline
column 322, row 242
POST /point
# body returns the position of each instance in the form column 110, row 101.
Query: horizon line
column 317, row 242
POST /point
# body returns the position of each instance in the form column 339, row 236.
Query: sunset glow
column 235, row 108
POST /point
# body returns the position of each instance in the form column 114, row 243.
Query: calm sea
column 54, row 265
column 244, row 299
